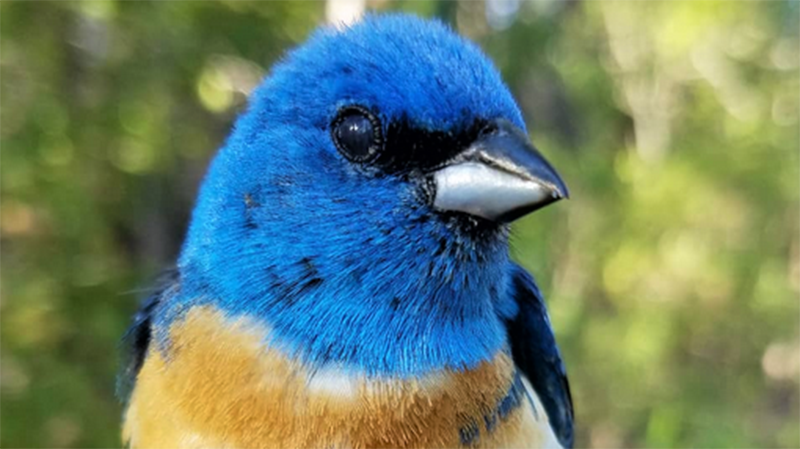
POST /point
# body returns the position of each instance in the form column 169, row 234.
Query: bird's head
column 376, row 165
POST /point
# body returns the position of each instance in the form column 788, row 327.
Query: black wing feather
column 535, row 352
column 136, row 339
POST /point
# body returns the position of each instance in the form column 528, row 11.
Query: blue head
column 360, row 206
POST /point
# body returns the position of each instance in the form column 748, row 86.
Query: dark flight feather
column 136, row 339
column 534, row 349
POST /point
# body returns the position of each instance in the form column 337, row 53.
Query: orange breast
column 218, row 385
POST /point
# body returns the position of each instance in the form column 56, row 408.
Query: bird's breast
column 218, row 384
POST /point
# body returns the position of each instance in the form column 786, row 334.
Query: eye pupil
column 355, row 132
column 355, row 135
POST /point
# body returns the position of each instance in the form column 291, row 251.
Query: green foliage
column 672, row 274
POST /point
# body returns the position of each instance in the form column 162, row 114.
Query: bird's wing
column 136, row 339
column 534, row 349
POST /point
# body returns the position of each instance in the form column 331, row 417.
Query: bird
column 345, row 279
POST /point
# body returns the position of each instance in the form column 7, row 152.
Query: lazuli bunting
column 345, row 280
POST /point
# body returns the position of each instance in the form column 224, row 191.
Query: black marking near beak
column 499, row 177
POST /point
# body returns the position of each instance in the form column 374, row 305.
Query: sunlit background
column 672, row 275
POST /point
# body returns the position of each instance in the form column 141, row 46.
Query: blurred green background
column 672, row 275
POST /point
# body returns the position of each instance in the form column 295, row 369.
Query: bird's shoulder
column 536, row 354
column 138, row 337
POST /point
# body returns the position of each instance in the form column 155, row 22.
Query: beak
column 499, row 177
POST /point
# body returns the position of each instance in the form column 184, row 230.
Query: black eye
column 357, row 134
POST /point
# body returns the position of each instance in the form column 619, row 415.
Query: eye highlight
column 357, row 134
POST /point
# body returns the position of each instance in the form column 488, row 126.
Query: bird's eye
column 357, row 134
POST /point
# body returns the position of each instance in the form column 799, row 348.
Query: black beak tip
column 562, row 192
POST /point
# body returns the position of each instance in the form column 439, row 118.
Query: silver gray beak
column 500, row 177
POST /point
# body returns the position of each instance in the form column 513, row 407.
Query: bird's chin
column 475, row 228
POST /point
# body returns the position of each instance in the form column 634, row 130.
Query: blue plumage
column 354, row 263
column 287, row 229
